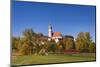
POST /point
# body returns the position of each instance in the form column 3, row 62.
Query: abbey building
column 56, row 36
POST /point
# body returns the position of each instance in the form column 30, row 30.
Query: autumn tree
column 69, row 43
column 83, row 41
column 60, row 46
column 15, row 43
column 28, row 41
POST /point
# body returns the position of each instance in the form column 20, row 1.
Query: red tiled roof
column 55, row 34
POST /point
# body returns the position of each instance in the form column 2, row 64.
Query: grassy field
column 32, row 59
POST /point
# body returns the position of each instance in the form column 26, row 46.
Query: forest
column 32, row 43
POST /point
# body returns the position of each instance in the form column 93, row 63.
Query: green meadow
column 62, row 58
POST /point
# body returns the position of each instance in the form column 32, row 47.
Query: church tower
column 50, row 31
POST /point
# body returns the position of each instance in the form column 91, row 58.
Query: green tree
column 92, row 47
column 52, row 47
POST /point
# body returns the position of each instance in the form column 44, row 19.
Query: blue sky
column 65, row 18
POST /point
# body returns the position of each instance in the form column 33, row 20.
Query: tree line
column 36, row 43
